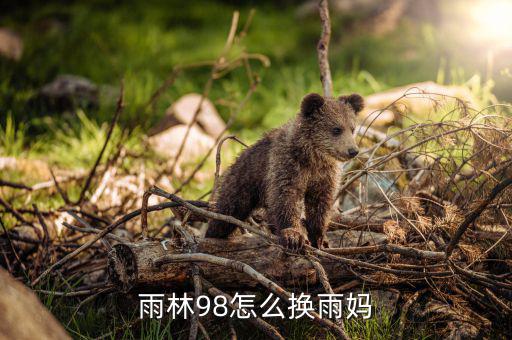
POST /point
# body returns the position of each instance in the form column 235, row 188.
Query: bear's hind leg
column 239, row 206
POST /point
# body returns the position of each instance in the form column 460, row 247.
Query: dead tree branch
column 471, row 217
column 4, row 183
column 323, row 49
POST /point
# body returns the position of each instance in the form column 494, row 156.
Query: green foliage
column 155, row 329
column 141, row 43
column 77, row 143
column 379, row 326
column 12, row 137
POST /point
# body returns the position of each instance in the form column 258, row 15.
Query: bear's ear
column 311, row 103
column 354, row 100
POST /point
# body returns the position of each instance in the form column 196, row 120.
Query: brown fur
column 292, row 167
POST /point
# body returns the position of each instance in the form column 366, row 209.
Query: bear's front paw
column 293, row 239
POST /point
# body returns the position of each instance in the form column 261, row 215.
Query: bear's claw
column 293, row 239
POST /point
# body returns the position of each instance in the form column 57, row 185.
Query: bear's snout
column 352, row 152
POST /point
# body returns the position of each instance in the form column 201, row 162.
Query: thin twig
column 89, row 227
column 12, row 248
column 218, row 160
column 14, row 212
column 85, row 292
column 405, row 309
column 196, row 279
column 4, row 183
column 119, row 109
column 46, row 238
column 87, row 300
column 389, row 248
column 324, row 280
column 203, row 330
column 95, row 231
column 61, row 191
column 218, row 64
column 144, row 214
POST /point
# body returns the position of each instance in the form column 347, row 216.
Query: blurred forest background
column 62, row 64
column 373, row 48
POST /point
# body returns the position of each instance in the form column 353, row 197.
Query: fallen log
column 133, row 264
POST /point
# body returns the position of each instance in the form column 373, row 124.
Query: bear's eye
column 337, row 131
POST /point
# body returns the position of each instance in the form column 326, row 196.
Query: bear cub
column 291, row 170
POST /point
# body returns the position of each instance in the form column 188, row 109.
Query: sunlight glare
column 494, row 18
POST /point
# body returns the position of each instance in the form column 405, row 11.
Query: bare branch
column 323, row 48
column 13, row 185
column 471, row 217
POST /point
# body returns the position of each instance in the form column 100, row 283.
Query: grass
column 12, row 137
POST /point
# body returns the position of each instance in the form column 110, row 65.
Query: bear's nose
column 353, row 152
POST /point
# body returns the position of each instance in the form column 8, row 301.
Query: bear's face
column 331, row 123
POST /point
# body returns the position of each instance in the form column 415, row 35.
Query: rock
column 422, row 100
column 23, row 316
column 121, row 232
column 11, row 45
column 183, row 110
column 166, row 184
column 122, row 190
column 62, row 217
column 377, row 117
column 167, row 143
column 68, row 92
